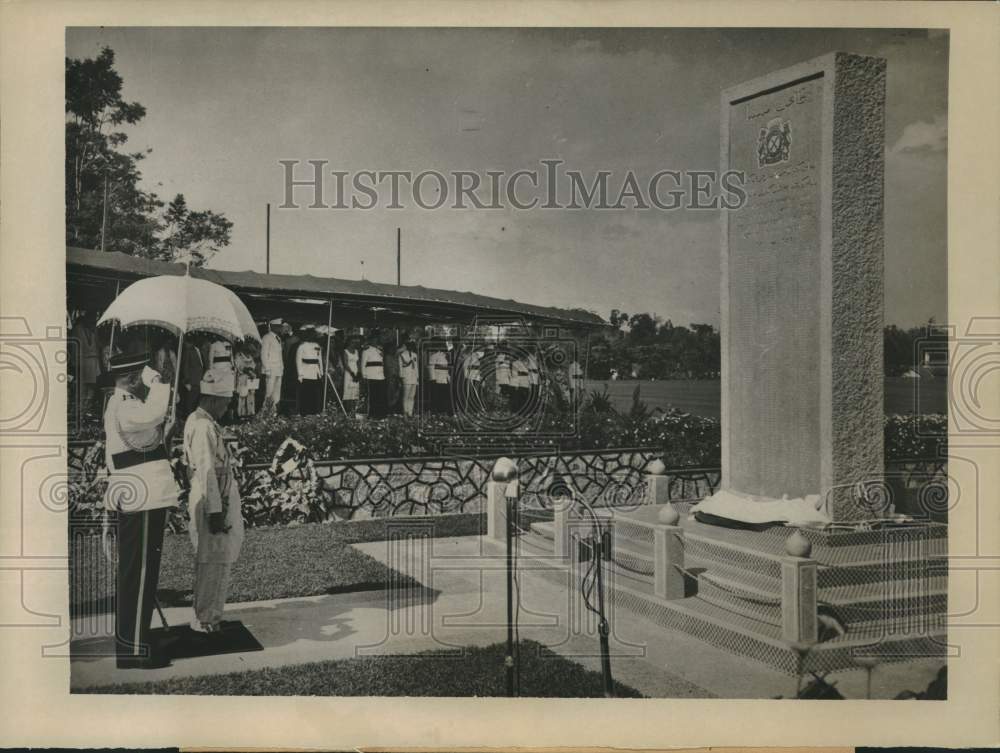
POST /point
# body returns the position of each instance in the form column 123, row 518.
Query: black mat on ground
column 181, row 642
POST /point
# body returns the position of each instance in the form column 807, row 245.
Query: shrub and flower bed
column 291, row 491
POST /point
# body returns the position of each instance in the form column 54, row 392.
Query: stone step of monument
column 632, row 560
column 762, row 568
column 835, row 585
column 833, row 546
column 760, row 640
column 888, row 611
column 737, row 633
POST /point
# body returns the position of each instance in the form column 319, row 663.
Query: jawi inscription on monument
column 802, row 282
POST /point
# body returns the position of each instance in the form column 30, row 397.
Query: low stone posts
column 657, row 484
column 668, row 555
column 798, row 592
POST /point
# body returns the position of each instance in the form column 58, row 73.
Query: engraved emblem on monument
column 774, row 142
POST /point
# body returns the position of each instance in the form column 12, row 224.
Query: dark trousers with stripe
column 140, row 542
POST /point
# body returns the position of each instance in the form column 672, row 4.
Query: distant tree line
column 106, row 204
column 643, row 346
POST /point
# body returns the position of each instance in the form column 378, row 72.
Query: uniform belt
column 439, row 367
column 130, row 458
column 221, row 359
column 310, row 360
column 373, row 363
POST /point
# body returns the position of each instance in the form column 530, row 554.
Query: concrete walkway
column 464, row 604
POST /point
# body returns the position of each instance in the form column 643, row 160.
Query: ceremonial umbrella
column 181, row 304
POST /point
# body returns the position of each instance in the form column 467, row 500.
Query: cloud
column 923, row 137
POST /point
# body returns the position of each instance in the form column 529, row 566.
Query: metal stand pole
column 336, row 393
column 603, row 627
column 509, row 659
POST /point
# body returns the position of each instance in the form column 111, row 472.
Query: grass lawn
column 305, row 560
column 476, row 672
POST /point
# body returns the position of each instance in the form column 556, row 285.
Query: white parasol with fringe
column 182, row 304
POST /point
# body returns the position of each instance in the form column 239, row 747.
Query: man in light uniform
column 472, row 377
column 373, row 373
column 141, row 488
column 216, row 526
column 351, row 360
column 575, row 381
column 519, row 383
column 309, row 367
column 272, row 366
column 501, row 361
column 440, row 381
column 408, row 372
column 534, row 375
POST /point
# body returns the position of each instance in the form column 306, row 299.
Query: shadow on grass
column 471, row 671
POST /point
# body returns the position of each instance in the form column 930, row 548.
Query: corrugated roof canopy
column 355, row 302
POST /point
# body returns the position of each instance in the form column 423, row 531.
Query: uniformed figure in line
column 575, row 381
column 439, row 381
column 216, row 520
column 373, row 374
column 519, row 383
column 272, row 366
column 501, row 369
column 141, row 488
column 408, row 375
column 351, row 361
column 534, row 375
column 472, row 377
column 309, row 366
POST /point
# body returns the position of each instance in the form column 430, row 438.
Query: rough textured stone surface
column 802, row 283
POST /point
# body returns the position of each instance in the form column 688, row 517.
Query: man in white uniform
column 575, row 381
column 373, row 372
column 501, row 361
column 309, row 367
column 216, row 526
column 534, row 376
column 272, row 366
column 351, row 361
column 519, row 383
column 408, row 375
column 141, row 487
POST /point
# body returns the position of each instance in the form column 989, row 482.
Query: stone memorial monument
column 802, row 289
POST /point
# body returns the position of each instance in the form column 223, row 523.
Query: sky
column 224, row 105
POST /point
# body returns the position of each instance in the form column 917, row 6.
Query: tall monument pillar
column 802, row 283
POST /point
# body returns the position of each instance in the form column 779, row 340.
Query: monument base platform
column 878, row 595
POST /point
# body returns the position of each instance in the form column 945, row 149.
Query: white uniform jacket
column 439, row 368
column 308, row 361
column 272, row 363
column 472, row 364
column 139, row 474
column 519, row 374
column 371, row 363
column 408, row 366
column 533, row 374
column 213, row 489
column 220, row 355
column 502, row 368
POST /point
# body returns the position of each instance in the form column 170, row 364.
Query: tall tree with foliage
column 106, row 206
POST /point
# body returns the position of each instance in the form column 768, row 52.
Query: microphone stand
column 597, row 542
